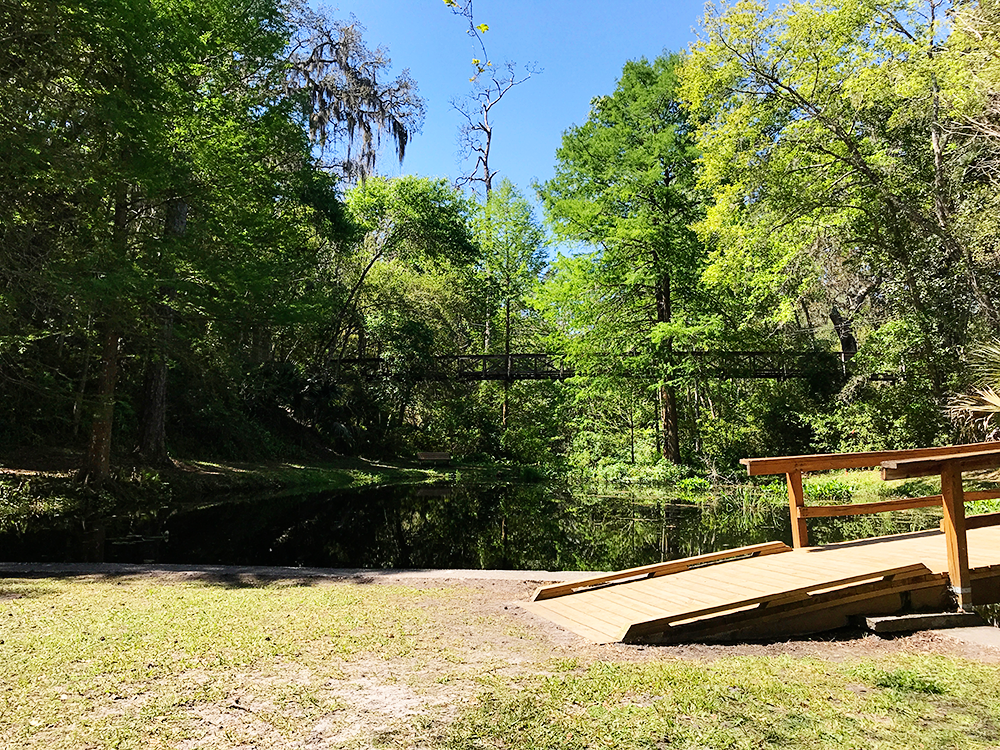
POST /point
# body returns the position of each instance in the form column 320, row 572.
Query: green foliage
column 826, row 148
column 624, row 186
column 694, row 485
column 829, row 491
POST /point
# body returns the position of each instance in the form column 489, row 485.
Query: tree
column 624, row 184
column 162, row 162
column 513, row 246
column 476, row 133
column 824, row 129
column 86, row 130
column 409, row 219
column 346, row 101
column 490, row 85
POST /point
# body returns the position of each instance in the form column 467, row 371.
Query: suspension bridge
column 726, row 365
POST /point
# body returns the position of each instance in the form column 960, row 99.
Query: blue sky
column 580, row 45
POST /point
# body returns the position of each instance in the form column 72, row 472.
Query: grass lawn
column 226, row 663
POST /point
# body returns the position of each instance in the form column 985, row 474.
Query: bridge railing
column 949, row 462
column 724, row 364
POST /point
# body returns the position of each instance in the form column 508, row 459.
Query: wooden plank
column 826, row 461
column 593, row 614
column 820, row 603
column 972, row 495
column 624, row 607
column 860, row 509
column 927, row 501
column 736, row 585
column 749, row 592
column 591, row 634
column 909, row 468
column 650, row 606
column 595, row 621
column 796, row 602
column 659, row 624
column 956, row 540
column 596, row 608
column 766, row 574
column 658, row 569
column 796, row 504
column 980, row 521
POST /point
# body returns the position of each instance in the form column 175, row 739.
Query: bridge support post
column 796, row 501
column 953, row 502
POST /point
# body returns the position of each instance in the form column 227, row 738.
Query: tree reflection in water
column 506, row 526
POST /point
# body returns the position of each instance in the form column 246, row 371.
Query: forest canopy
column 784, row 239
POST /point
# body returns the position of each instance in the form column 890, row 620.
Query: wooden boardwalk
column 777, row 592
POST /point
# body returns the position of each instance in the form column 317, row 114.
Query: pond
column 508, row 526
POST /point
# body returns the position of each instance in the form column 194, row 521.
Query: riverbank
column 192, row 475
column 36, row 484
column 228, row 659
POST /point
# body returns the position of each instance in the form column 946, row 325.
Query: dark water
column 471, row 526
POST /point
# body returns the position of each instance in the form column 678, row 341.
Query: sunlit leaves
column 824, row 143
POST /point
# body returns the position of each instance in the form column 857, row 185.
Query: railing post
column 796, row 500
column 953, row 502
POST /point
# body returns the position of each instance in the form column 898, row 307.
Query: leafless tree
column 475, row 135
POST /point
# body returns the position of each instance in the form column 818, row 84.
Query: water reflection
column 456, row 526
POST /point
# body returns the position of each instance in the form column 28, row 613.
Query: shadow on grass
column 11, row 590
column 225, row 576
column 222, row 579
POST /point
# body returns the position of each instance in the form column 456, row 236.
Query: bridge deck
column 798, row 591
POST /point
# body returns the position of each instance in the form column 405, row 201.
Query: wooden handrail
column 903, row 503
column 982, row 521
column 928, row 466
column 658, row 569
column 927, row 460
column 862, row 509
column 827, row 461
column 947, row 462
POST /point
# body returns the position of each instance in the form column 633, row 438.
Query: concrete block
column 913, row 622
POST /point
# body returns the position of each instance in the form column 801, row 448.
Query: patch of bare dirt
column 28, row 462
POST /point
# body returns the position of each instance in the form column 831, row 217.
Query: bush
column 829, row 491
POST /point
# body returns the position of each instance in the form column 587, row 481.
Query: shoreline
column 365, row 575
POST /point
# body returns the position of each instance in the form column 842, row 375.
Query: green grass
column 133, row 665
column 910, row 702
column 137, row 663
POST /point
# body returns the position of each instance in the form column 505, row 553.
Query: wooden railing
column 949, row 462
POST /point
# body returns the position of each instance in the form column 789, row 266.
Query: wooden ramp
column 768, row 590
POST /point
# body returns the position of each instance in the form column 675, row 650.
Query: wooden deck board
column 815, row 576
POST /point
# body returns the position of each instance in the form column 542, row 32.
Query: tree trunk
column 81, row 390
column 667, row 394
column 97, row 465
column 845, row 332
column 152, row 446
column 96, row 468
column 506, row 351
column 669, row 421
